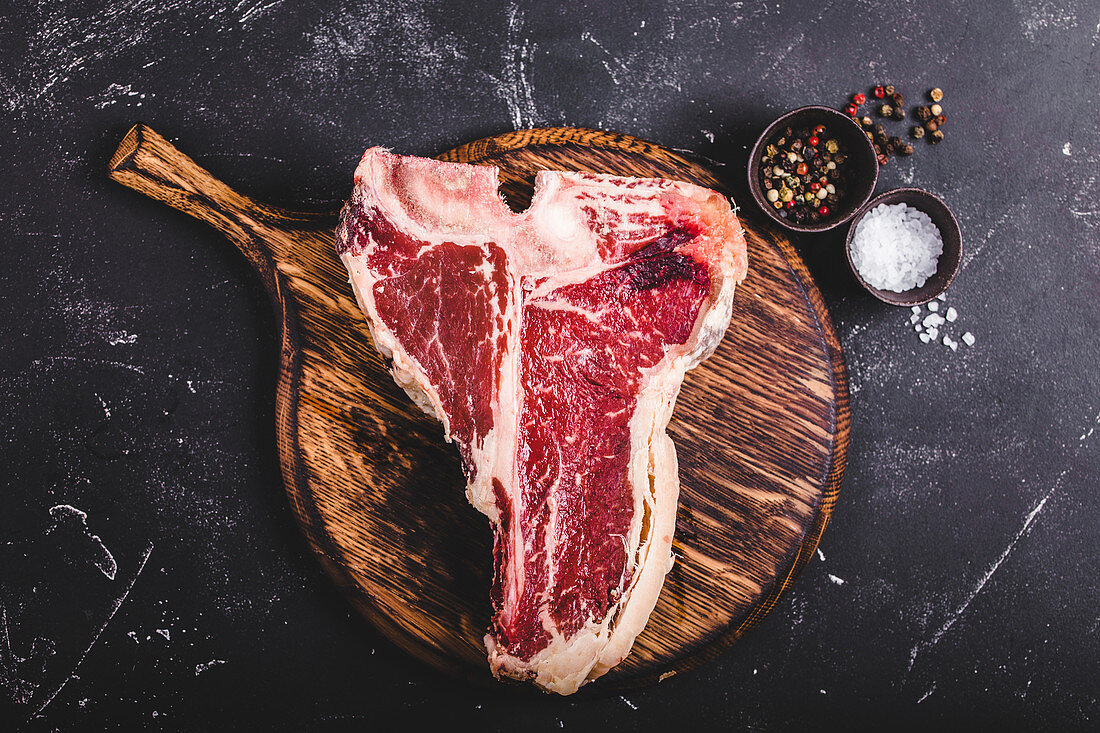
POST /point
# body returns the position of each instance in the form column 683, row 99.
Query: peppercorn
column 879, row 92
column 865, row 121
column 851, row 109
column 931, row 126
column 859, row 98
column 823, row 210
column 882, row 159
column 940, row 119
column 819, row 129
column 936, row 136
column 772, row 195
column 897, row 99
column 922, row 113
column 917, row 132
column 801, row 169
column 936, row 94
column 895, row 142
column 813, row 141
column 889, row 90
column 885, row 110
column 905, row 149
column 879, row 131
column 899, row 113
column 935, row 109
column 878, row 149
column 832, row 146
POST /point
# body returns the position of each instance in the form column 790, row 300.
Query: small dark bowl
column 862, row 164
column 946, row 266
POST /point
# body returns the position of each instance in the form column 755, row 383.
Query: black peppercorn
column 889, row 89
column 940, row 119
column 922, row 113
column 895, row 142
column 879, row 131
column 917, row 132
column 931, row 126
column 936, row 136
column 897, row 99
column 899, row 113
column 905, row 149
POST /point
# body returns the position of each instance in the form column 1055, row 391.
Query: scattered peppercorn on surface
column 930, row 119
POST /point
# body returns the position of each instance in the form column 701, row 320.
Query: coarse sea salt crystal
column 968, row 338
column 933, row 306
column 925, row 338
column 896, row 247
column 951, row 314
column 915, row 309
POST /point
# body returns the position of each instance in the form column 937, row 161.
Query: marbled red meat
column 552, row 345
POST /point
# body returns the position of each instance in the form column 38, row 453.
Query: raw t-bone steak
column 551, row 345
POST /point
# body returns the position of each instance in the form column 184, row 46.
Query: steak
column 551, row 344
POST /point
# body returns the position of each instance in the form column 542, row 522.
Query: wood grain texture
column 760, row 428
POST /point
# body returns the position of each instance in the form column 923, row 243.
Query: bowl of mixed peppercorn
column 812, row 169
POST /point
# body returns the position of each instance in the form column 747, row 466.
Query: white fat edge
column 405, row 370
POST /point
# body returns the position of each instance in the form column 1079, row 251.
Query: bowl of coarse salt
column 904, row 246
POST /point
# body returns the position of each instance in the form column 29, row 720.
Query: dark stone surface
column 137, row 357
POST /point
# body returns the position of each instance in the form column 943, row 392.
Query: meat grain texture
column 551, row 344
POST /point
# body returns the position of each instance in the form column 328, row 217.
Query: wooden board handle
column 148, row 163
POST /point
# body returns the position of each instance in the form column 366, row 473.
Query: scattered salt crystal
column 896, row 247
column 914, row 318
column 933, row 319
column 941, row 297
column 915, row 309
column 933, row 306
column 968, row 338
column 933, row 333
column 952, row 314
column 925, row 338
column 918, row 328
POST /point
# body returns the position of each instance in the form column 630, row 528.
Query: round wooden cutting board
column 761, row 428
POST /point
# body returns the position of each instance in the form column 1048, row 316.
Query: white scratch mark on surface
column 114, row 609
column 782, row 55
column 48, row 361
column 977, row 589
column 106, row 410
column 258, row 10
column 1067, row 149
column 835, row 579
column 925, row 695
column 200, row 668
column 586, row 36
column 102, row 559
column 974, row 251
column 820, row 555
column 165, row 633
column 518, row 93
column 629, row 704
column 14, row 680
